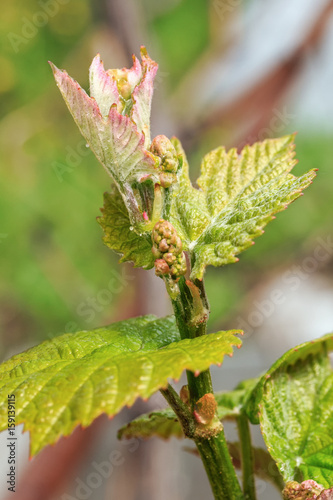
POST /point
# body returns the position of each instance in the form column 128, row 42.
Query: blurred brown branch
column 256, row 104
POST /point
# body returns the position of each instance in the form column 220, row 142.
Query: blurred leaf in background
column 52, row 259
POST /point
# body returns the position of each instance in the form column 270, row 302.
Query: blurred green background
column 228, row 71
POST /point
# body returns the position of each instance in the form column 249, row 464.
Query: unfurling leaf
column 115, row 122
column 238, row 196
column 72, row 379
column 119, row 234
column 294, row 403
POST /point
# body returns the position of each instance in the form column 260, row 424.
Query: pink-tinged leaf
column 143, row 94
column 127, row 79
column 114, row 140
column 134, row 74
column 127, row 144
column 326, row 495
column 103, row 88
column 84, row 110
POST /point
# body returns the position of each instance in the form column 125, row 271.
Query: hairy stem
column 201, row 384
column 220, row 471
column 247, row 458
column 191, row 309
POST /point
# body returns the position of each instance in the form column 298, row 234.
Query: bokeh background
column 231, row 72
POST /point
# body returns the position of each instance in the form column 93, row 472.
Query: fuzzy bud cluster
column 162, row 147
column 307, row 490
column 168, row 250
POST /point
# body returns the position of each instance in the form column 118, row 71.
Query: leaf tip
column 54, row 68
column 143, row 51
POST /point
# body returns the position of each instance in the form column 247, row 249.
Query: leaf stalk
column 247, row 457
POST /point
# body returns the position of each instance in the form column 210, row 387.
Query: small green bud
column 164, row 230
column 168, row 247
column 179, row 268
column 161, row 267
column 156, row 253
column 124, row 88
column 167, row 179
column 161, row 146
column 163, row 246
column 307, row 490
column 170, row 258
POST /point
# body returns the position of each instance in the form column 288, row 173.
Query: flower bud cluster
column 307, row 490
column 168, row 250
column 162, row 147
column 125, row 87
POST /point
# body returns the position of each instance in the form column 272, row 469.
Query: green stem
column 190, row 307
column 247, row 458
column 201, row 384
column 220, row 471
column 167, row 203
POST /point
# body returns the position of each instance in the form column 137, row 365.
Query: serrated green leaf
column 294, row 403
column 72, row 379
column 239, row 195
column 165, row 425
column 121, row 236
column 189, row 213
